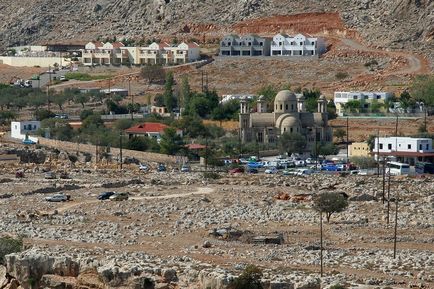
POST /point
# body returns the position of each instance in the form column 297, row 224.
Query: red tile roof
column 118, row 44
column 193, row 45
column 195, row 146
column 147, row 127
column 98, row 43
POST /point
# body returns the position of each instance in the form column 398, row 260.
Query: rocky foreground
column 183, row 231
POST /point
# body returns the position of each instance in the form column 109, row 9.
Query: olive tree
column 329, row 203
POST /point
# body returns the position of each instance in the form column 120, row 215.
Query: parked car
column 185, row 169
column 62, row 78
column 119, row 197
column 252, row 171
column 50, row 175
column 161, row 168
column 271, row 170
column 58, row 198
column 19, row 174
column 304, row 172
column 300, row 163
column 105, row 195
column 238, row 170
column 143, row 167
column 28, row 142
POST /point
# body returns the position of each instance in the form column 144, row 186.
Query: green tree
column 352, row 106
column 93, row 120
column 326, row 149
column 406, row 101
column 59, row 99
column 137, row 143
column 364, row 162
column 8, row 246
column 292, row 143
column 42, row 114
column 6, row 116
column 171, row 143
column 340, row 134
column 422, row 89
column 168, row 96
column 375, row 106
column 269, row 92
column 329, row 203
column 249, row 279
column 81, row 98
column 331, row 110
column 185, row 93
column 153, row 73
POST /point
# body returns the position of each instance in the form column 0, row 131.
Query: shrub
column 329, row 203
column 341, row 75
column 337, row 286
column 9, row 245
column 211, row 175
column 249, row 279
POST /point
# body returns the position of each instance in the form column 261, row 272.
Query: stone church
column 289, row 116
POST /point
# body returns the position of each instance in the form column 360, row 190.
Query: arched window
column 281, row 107
column 292, row 107
column 286, row 107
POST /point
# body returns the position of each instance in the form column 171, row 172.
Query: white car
column 57, row 198
column 300, row 163
column 143, row 167
column 272, row 170
column 304, row 172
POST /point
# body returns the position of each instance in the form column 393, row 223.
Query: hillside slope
column 383, row 23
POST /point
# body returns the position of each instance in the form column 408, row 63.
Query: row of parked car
column 162, row 168
column 113, row 196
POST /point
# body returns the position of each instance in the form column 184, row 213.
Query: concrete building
column 25, row 129
column 160, row 53
column 98, row 53
column 289, row 116
column 359, row 149
column 298, row 45
column 247, row 45
column 365, row 98
column 405, row 149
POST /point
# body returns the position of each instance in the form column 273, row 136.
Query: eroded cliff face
column 385, row 23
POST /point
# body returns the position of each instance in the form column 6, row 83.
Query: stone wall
column 91, row 149
column 31, row 61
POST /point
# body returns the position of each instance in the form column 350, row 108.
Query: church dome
column 290, row 121
column 285, row 96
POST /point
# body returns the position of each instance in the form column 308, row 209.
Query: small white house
column 406, row 149
column 21, row 129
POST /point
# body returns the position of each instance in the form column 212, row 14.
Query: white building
column 21, row 129
column 160, row 53
column 406, row 149
column 298, row 45
column 366, row 98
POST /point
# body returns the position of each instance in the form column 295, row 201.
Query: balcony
column 102, row 55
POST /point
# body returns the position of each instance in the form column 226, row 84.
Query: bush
column 249, row 279
column 337, row 286
column 211, row 175
column 9, row 245
column 83, row 76
column 341, row 75
column 329, row 203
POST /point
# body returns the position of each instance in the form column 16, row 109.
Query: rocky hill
column 383, row 23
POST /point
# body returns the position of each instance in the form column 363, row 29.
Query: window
column 286, row 107
column 381, row 146
column 261, row 43
column 409, row 146
column 389, row 146
column 427, row 146
column 281, row 107
column 291, row 129
column 355, row 97
column 260, row 137
column 420, row 147
column 378, row 96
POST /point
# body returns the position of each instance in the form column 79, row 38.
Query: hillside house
column 364, row 98
column 405, row 149
column 149, row 129
column 25, row 129
column 298, row 45
column 247, row 45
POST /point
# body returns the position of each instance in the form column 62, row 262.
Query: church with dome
column 289, row 116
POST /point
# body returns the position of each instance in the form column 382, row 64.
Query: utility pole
column 206, row 153
column 48, row 97
column 347, row 145
column 378, row 152
column 396, row 226
column 321, row 241
column 132, row 98
column 316, row 149
column 384, row 179
column 120, row 149
column 388, row 198
column 206, row 87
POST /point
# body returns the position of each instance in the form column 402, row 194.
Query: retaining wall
column 91, row 149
